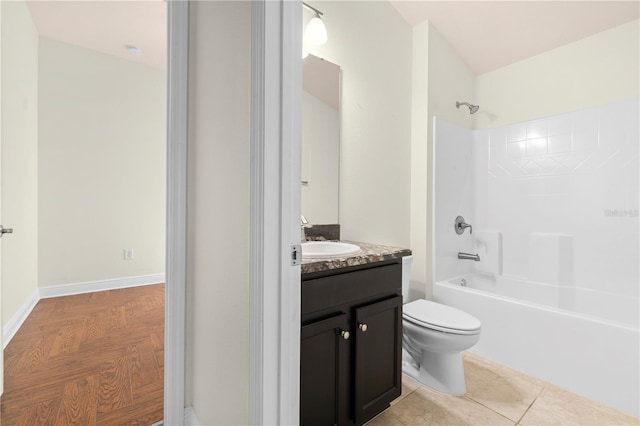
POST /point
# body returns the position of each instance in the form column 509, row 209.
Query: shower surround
column 552, row 201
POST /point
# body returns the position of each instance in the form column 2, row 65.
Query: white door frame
column 175, row 287
column 274, row 378
column 1, row 333
column 275, row 209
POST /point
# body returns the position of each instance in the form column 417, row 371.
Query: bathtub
column 579, row 339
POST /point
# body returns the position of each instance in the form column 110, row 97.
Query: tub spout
column 469, row 256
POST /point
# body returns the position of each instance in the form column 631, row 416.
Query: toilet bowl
column 433, row 337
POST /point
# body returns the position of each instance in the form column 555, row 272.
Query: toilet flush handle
column 363, row 327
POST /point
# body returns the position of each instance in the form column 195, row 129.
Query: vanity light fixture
column 316, row 32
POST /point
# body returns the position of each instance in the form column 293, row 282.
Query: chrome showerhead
column 472, row 108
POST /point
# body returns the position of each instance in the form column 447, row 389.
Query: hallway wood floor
column 89, row 359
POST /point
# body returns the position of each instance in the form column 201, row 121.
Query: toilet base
column 443, row 371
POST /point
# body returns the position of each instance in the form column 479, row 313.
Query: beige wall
column 599, row 69
column 19, row 157
column 372, row 45
column 217, row 357
column 320, row 160
column 440, row 78
column 1, row 322
column 596, row 70
column 102, row 149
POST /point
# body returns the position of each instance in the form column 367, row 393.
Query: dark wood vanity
column 351, row 339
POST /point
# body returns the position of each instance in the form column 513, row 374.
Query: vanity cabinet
column 351, row 344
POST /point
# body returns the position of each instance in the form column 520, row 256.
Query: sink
column 327, row 249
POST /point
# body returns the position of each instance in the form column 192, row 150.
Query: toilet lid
column 441, row 317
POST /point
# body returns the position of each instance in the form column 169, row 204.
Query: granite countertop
column 370, row 253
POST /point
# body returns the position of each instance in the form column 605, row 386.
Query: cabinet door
column 324, row 372
column 378, row 354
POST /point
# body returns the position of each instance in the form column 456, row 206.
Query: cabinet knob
column 345, row 334
column 363, row 327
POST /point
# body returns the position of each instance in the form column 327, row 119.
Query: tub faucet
column 461, row 225
column 469, row 256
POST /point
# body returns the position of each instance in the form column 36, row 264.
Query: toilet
column 433, row 337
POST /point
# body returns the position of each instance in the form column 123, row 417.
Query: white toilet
column 433, row 337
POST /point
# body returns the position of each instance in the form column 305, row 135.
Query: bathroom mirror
column 320, row 140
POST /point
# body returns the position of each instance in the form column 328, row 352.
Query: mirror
column 320, row 140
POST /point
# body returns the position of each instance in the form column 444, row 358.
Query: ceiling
column 492, row 34
column 107, row 26
column 486, row 34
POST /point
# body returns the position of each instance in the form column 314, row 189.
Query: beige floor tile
column 408, row 386
column 469, row 356
column 428, row 407
column 556, row 406
column 384, row 419
column 498, row 388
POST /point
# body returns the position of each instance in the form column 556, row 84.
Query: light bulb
column 316, row 32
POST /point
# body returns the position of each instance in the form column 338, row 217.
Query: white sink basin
column 327, row 249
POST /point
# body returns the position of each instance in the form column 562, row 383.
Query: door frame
column 276, row 123
column 1, row 333
column 274, row 346
column 176, row 236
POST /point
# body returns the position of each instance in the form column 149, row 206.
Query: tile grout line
column 530, row 405
column 488, row 408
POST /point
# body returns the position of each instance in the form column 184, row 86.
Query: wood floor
column 90, row 359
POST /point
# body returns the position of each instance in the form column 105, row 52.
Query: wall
column 376, row 117
column 564, row 192
column 1, row 322
column 454, row 195
column 19, row 157
column 596, row 70
column 217, row 340
column 440, row 78
column 320, row 160
column 562, row 176
column 102, row 164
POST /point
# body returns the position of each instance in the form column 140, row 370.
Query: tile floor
column 497, row 395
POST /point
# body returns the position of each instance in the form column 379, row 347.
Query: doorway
column 84, row 170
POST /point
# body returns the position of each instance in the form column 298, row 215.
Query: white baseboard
column 102, row 285
column 190, row 418
column 15, row 322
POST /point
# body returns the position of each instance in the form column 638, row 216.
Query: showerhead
column 472, row 108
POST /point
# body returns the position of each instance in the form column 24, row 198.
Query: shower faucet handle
column 461, row 225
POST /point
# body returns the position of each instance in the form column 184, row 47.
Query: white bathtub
column 582, row 340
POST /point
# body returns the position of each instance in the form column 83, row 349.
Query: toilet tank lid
column 440, row 315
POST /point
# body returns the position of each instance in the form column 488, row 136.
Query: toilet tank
column 406, row 277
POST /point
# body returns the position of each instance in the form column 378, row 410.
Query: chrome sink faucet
column 303, row 222
column 461, row 225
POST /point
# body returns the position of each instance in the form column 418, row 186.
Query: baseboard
column 190, row 418
column 91, row 286
column 15, row 322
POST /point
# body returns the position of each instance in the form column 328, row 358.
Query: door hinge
column 296, row 254
column 4, row 230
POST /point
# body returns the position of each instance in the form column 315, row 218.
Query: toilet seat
column 437, row 316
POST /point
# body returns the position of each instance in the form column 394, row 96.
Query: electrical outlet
column 127, row 254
